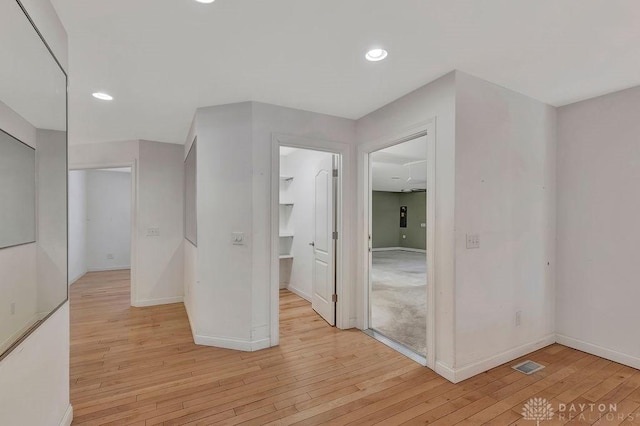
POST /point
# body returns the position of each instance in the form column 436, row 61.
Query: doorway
column 307, row 237
column 101, row 224
column 398, row 277
column 307, row 227
column 399, row 240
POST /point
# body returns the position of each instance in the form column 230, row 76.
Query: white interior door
column 323, row 270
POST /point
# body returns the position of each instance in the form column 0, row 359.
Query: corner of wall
column 496, row 126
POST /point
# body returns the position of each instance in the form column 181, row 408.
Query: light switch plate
column 153, row 232
column 237, row 238
column 473, row 241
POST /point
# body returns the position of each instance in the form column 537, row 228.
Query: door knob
column 312, row 244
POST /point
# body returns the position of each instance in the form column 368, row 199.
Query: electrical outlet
column 13, row 308
column 110, row 256
column 404, row 236
column 237, row 238
column 473, row 241
column 518, row 318
column 153, row 232
column 423, row 225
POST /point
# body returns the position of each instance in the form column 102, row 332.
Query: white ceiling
column 161, row 59
column 401, row 167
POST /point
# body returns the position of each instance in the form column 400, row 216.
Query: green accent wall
column 385, row 215
column 386, row 231
column 416, row 235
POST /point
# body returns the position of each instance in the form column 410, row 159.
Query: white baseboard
column 235, row 344
column 68, row 417
column 353, row 323
column 304, row 295
column 399, row 249
column 456, row 375
column 593, row 349
column 73, row 280
column 111, row 268
column 162, row 301
column 446, row 372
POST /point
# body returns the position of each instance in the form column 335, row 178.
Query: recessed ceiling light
column 375, row 55
column 103, row 96
column 205, row 1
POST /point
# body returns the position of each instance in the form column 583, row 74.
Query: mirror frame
column 37, row 325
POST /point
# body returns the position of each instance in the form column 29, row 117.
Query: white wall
column 19, row 286
column 77, row 224
column 598, row 209
column 103, row 155
column 505, row 192
column 34, row 378
column 34, row 390
column 158, row 260
column 108, row 220
column 435, row 100
column 301, row 164
column 160, row 205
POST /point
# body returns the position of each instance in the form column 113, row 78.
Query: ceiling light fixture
column 103, row 96
column 205, row 1
column 375, row 55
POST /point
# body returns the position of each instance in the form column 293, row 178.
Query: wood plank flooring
column 139, row 366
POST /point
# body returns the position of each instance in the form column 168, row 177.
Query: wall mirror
column 33, row 178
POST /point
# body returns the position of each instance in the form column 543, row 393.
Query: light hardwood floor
column 140, row 366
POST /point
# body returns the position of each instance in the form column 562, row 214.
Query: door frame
column 343, row 152
column 134, row 220
column 427, row 128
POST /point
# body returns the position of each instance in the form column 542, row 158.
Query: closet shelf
column 286, row 178
column 286, row 256
column 286, row 235
column 286, row 204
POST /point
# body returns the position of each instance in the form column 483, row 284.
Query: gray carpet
column 399, row 297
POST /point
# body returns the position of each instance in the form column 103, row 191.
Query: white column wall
column 505, row 193
column 228, row 286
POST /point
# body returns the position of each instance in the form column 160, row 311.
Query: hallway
column 140, row 365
